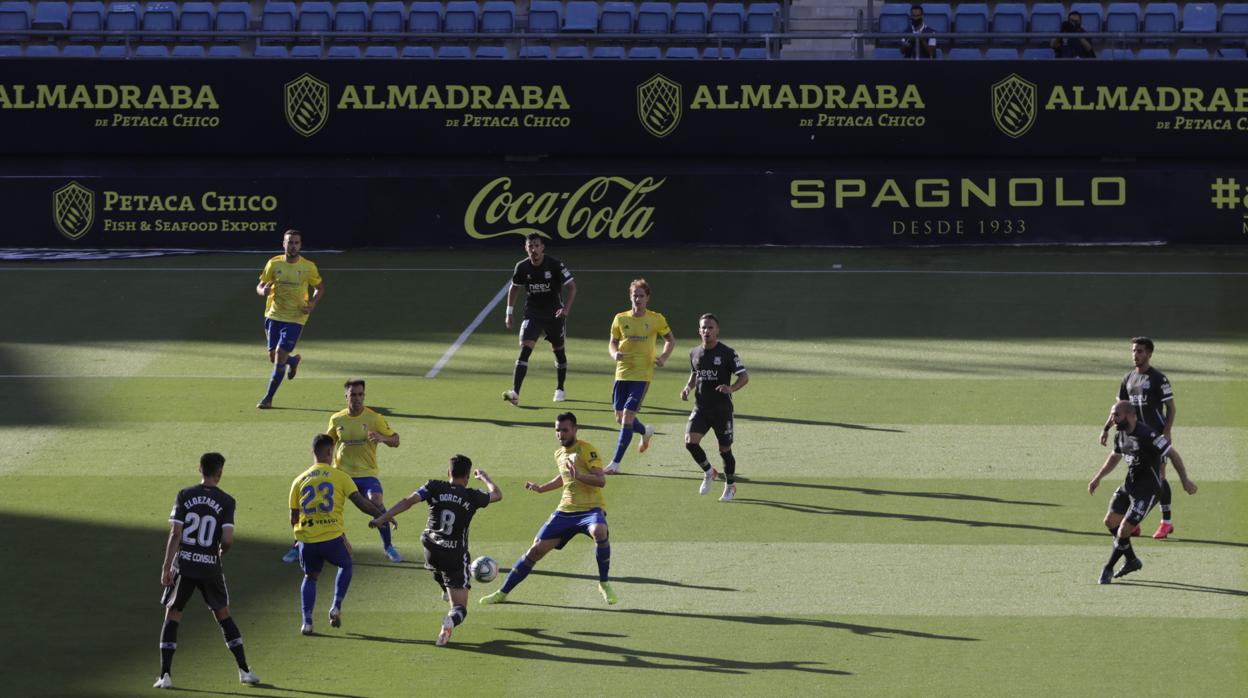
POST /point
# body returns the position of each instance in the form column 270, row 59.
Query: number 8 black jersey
column 204, row 513
column 451, row 508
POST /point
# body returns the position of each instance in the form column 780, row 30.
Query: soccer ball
column 484, row 569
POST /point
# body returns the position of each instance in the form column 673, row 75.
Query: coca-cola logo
column 610, row 206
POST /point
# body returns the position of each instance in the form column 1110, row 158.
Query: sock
column 385, row 532
column 699, row 456
column 341, row 583
column 522, row 367
column 234, row 641
column 730, row 466
column 1127, row 550
column 517, row 574
column 561, row 367
column 458, row 614
column 638, row 427
column 1165, row 500
column 279, row 372
column 307, row 592
column 626, row 437
column 293, row 361
column 168, row 645
column 603, row 555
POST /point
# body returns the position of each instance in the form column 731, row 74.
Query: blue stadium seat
column 460, row 18
column 581, row 16
column 886, row 53
column 78, row 51
column 416, row 52
column 426, row 18
column 1046, row 17
column 316, row 16
column 895, row 18
column 719, row 53
column 86, row 16
column 1122, row 17
column 610, row 52
column 306, row 51
column 1001, row 54
column 545, row 17
column 491, row 52
column 536, row 51
column 963, row 54
column 277, row 16
column 159, row 16
column 114, row 51
column 232, row 17
column 644, row 53
column 727, row 18
column 498, row 16
column 572, row 52
column 14, row 16
column 454, row 52
column 617, row 18
column 654, row 18
column 10, row 51
column 753, row 53
column 1009, row 17
column 1192, row 54
column 42, row 51
column 1154, row 54
column 188, row 51
column 1093, row 16
column 50, row 16
column 380, row 51
column 1234, row 18
column 1199, row 17
column 149, row 51
column 938, row 16
column 122, row 16
column 689, row 18
column 387, row 18
column 681, row 53
column 1161, row 17
column 343, row 52
column 1233, row 53
column 351, row 18
column 232, row 51
column 763, row 18
column 1039, row 53
column 196, row 17
column 1118, row 54
column 271, row 52
column 971, row 17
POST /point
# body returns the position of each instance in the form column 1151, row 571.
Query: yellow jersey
column 636, row 337
column 290, row 288
column 577, row 496
column 318, row 494
column 354, row 454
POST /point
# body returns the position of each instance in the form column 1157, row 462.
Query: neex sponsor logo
column 75, row 208
column 610, row 206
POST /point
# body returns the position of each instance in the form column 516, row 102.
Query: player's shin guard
column 603, row 555
column 168, row 645
column 341, row 583
column 699, row 456
column 234, row 641
column 517, row 574
column 279, row 372
column 621, row 446
column 307, row 593
column 1165, row 500
column 730, row 466
column 561, row 367
column 458, row 614
column 522, row 368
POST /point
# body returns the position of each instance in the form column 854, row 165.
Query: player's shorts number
column 325, row 502
column 199, row 530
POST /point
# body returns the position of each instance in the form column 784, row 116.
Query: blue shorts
column 313, row 556
column 565, row 526
column 282, row 334
column 627, row 395
column 367, row 484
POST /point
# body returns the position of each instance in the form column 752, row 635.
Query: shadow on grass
column 544, row 424
column 625, row 580
column 1182, row 586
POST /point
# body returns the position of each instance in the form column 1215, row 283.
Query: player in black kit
column 712, row 367
column 1144, row 448
column 201, row 531
column 445, row 538
column 545, row 310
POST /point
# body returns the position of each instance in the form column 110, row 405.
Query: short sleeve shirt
column 291, row 283
column 318, row 495
column 1146, row 392
column 712, row 368
column 637, row 337
column 354, row 454
column 451, row 508
column 543, row 284
column 204, row 512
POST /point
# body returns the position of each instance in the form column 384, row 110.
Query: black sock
column 522, row 367
column 730, row 466
column 458, row 614
column 234, row 641
column 699, row 456
column 1165, row 500
column 168, row 645
column 561, row 366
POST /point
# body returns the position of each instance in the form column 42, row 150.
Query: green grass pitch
column 912, row 518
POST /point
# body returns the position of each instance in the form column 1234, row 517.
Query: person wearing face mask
column 1075, row 46
column 927, row 45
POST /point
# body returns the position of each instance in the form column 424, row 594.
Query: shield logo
column 1014, row 105
column 73, row 210
column 658, row 105
column 307, row 104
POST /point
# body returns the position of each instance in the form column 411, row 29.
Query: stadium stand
column 78, row 51
column 1093, row 15
column 498, row 16
column 1122, row 17
column 581, row 16
column 387, row 18
column 14, row 16
column 149, row 51
column 425, row 18
column 578, row 51
column 86, row 16
column 1160, row 17
column 195, row 17
column 316, row 16
column 232, row 17
column 963, row 53
column 970, row 18
column 681, row 53
column 727, row 18
column 188, row 51
column 617, row 18
column 654, row 18
column 1038, row 53
column 381, row 52
column 350, row 18
column 306, row 51
column 608, row 52
column 159, row 16
column 536, row 52
column 998, row 53
column 1046, row 17
column 42, row 51
column 1009, row 17
column 689, row 18
column 645, row 52
column 50, row 16
column 491, row 52
column 121, row 16
column 753, row 53
column 545, row 16
column 343, row 52
column 232, row 51
column 461, row 16
column 454, row 52
column 1192, row 54
column 114, row 51
column 416, row 52
column 718, row 53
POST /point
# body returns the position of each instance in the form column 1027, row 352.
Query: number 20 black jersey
column 204, row 513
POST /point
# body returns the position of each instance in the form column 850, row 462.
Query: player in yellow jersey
column 633, row 335
column 284, row 285
column 316, row 515
column 581, row 510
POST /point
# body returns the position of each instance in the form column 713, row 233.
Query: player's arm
column 1110, row 463
column 669, row 345
column 401, row 506
column 382, row 433
column 171, row 549
column 367, row 506
column 227, row 538
column 567, row 302
column 594, row 477
column 266, row 281
column 512, row 294
column 294, row 518
column 495, row 493
column 613, row 348
column 554, row 483
column 1171, row 411
column 742, row 378
column 1180, row 468
column 689, row 384
column 318, row 294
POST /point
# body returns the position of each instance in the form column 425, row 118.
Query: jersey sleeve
column 1122, row 389
column 590, row 456
column 480, row 499
column 617, row 333
column 382, row 426
column 332, row 430
column 178, row 515
column 664, row 328
column 314, row 275
column 267, row 273
column 1167, row 393
column 565, row 274
column 516, row 278
column 1159, row 443
column 294, row 494
column 426, row 490
column 227, row 513
column 737, row 367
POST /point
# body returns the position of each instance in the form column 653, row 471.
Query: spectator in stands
column 927, row 47
column 1073, row 47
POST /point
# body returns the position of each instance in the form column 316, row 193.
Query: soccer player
column 284, row 285
column 1144, row 448
column 201, row 530
column 633, row 336
column 581, row 510
column 712, row 367
column 545, row 310
column 316, row 515
column 1149, row 391
column 452, row 505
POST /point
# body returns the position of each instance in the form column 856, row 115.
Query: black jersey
column 450, row 512
column 714, row 367
column 1147, row 391
column 544, row 284
column 1143, row 448
column 204, row 513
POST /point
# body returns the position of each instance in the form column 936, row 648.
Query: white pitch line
column 472, row 327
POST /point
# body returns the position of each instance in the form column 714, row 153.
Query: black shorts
column 555, row 329
column 1133, row 501
column 449, row 565
column 212, row 588
column 703, row 420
